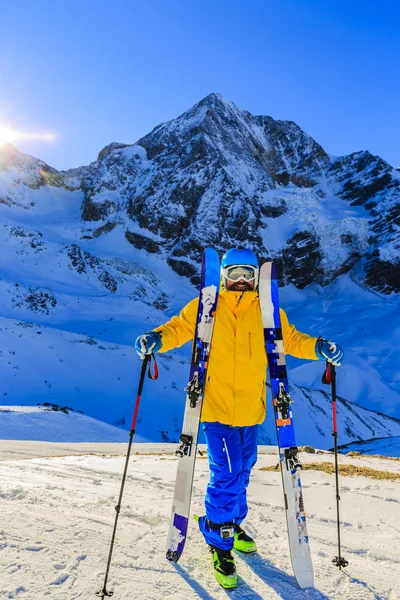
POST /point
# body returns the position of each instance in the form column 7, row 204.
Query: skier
column 235, row 398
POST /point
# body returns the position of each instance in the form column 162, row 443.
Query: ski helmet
column 242, row 256
column 239, row 258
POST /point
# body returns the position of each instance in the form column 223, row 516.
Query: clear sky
column 90, row 72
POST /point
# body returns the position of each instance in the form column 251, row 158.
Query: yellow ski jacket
column 235, row 392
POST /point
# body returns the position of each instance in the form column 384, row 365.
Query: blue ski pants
column 232, row 453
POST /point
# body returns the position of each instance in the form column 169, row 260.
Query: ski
column 187, row 449
column 288, row 452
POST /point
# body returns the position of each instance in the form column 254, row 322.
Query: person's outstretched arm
column 176, row 332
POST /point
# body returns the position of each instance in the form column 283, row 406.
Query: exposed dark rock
column 161, row 302
column 347, row 265
column 192, row 247
column 302, row 181
column 83, row 262
column 346, row 239
column 292, row 155
column 142, row 242
column 75, row 254
column 387, row 223
column 283, row 178
column 274, row 211
column 363, row 176
column 94, row 211
column 108, row 149
column 301, row 260
column 182, row 267
column 29, row 240
column 104, row 229
column 359, row 193
column 140, row 293
column 382, row 275
column 37, row 300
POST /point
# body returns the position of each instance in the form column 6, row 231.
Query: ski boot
column 224, row 567
column 243, row 542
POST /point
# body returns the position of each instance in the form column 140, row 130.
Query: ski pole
column 103, row 592
column 329, row 377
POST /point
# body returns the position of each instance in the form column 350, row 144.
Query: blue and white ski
column 288, row 452
column 187, row 449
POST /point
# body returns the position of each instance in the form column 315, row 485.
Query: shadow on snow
column 283, row 584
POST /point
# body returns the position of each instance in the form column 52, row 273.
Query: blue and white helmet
column 244, row 258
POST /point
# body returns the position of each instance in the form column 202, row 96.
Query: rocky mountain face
column 93, row 256
column 219, row 176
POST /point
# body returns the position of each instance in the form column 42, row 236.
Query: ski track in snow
column 57, row 516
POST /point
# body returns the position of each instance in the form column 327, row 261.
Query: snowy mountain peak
column 98, row 254
column 217, row 103
column 219, row 176
column 215, row 99
column 20, row 173
column 110, row 148
column 10, row 157
column 7, row 149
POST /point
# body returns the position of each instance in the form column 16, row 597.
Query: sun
column 7, row 134
column 10, row 135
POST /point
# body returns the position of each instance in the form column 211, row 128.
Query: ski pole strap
column 327, row 376
column 153, row 375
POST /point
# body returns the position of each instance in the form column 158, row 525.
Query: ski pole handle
column 146, row 361
column 333, row 380
column 329, row 377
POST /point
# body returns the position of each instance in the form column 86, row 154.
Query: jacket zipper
column 251, row 354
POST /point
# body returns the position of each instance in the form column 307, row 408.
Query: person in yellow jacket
column 234, row 398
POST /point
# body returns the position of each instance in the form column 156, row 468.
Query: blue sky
column 92, row 72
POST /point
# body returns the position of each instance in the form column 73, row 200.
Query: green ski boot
column 243, row 542
column 224, row 567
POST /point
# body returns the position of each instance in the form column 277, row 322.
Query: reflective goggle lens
column 239, row 272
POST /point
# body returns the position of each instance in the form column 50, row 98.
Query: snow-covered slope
column 42, row 364
column 58, row 514
column 54, row 424
column 385, row 446
column 92, row 257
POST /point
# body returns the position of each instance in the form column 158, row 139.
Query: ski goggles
column 236, row 272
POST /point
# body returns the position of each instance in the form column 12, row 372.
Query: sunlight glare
column 9, row 135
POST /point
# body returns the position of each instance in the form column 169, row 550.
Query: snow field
column 47, row 425
column 57, row 516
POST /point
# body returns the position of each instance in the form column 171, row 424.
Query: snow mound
column 54, row 425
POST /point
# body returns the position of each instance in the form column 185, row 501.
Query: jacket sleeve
column 296, row 343
column 180, row 329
